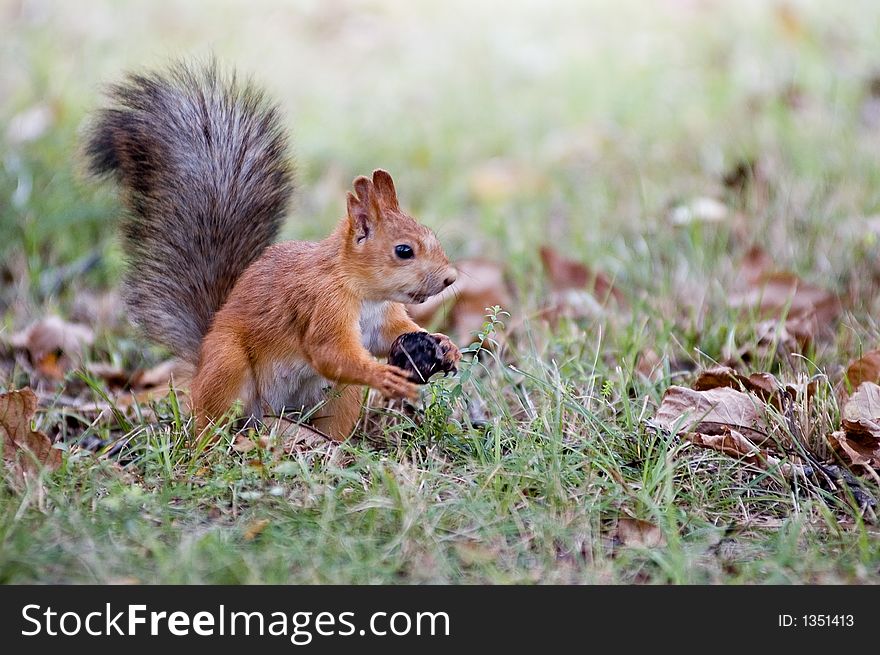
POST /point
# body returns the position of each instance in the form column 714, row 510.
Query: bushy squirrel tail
column 203, row 164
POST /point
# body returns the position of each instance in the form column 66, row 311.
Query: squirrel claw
column 394, row 383
column 451, row 353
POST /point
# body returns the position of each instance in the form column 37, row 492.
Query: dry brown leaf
column 858, row 454
column 730, row 442
column 563, row 273
column 650, row 365
column 780, row 338
column 255, row 529
column 162, row 374
column 293, row 438
column 638, row 533
column 243, row 444
column 711, row 412
column 157, row 377
column 755, row 265
column 576, row 290
column 785, row 295
column 24, row 450
column 718, row 416
column 734, row 444
column 473, row 553
column 54, row 345
column 865, row 369
column 463, row 305
column 115, row 377
column 859, row 440
column 861, row 414
column 764, row 385
column 795, row 313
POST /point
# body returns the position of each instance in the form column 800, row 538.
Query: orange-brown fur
column 299, row 306
column 202, row 161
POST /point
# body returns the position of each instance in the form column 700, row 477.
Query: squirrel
column 277, row 327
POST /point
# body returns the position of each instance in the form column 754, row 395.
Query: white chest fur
column 295, row 385
column 372, row 319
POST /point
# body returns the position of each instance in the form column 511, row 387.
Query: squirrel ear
column 363, row 187
column 384, row 187
column 358, row 218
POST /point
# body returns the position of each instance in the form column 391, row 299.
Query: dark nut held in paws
column 420, row 355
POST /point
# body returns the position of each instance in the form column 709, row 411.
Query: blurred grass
column 577, row 124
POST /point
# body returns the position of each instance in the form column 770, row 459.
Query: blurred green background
column 504, row 123
column 594, row 127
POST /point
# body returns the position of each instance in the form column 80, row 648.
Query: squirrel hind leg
column 224, row 378
column 339, row 414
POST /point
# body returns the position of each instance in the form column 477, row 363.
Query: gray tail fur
column 204, row 168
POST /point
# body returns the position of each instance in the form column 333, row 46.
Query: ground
column 602, row 130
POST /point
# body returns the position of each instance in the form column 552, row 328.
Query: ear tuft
column 384, row 187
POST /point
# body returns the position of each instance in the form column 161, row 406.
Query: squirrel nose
column 451, row 276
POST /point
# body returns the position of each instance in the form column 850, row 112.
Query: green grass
column 604, row 115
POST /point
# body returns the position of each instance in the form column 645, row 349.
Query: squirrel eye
column 404, row 251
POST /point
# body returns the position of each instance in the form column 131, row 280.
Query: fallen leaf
column 754, row 265
column 243, row 444
column 711, row 412
column 859, row 440
column 732, row 443
column 255, row 529
column 162, row 374
column 563, row 273
column 54, row 345
column 785, row 295
column 861, row 415
column 576, row 290
column 794, row 313
column 649, row 365
column 638, row 533
column 858, row 454
column 293, row 438
column 725, row 376
column 25, row 451
column 764, row 385
column 463, row 305
column 473, row 553
column 114, row 376
column 158, row 377
column 865, row 369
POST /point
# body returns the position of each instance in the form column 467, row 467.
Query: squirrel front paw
column 451, row 353
column 394, row 383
